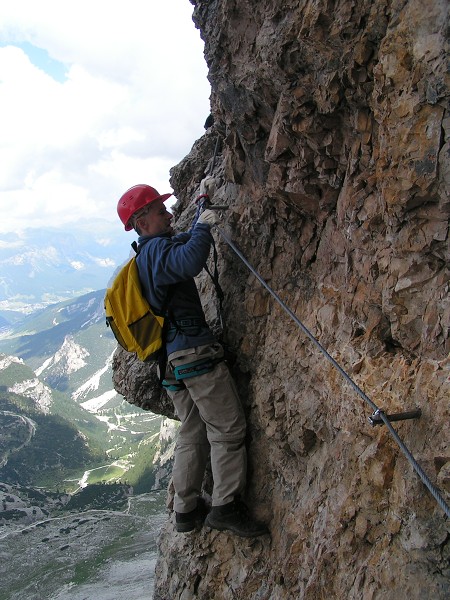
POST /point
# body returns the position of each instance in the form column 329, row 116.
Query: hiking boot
column 235, row 517
column 185, row 522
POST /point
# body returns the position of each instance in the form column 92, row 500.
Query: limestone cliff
column 330, row 146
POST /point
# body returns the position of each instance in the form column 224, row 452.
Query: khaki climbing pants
column 212, row 420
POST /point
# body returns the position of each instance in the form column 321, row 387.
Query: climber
column 196, row 377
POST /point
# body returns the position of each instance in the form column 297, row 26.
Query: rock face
column 330, row 146
column 138, row 382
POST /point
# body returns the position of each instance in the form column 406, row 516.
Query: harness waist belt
column 186, row 323
column 198, row 367
column 173, row 387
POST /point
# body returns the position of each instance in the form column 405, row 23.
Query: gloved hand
column 208, row 186
column 208, row 217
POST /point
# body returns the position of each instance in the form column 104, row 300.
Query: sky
column 95, row 96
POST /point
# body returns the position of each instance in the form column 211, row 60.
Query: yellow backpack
column 131, row 318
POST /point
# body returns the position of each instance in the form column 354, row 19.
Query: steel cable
column 432, row 488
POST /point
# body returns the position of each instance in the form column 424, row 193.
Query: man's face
column 156, row 220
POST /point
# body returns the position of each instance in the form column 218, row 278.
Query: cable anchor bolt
column 204, row 202
column 375, row 418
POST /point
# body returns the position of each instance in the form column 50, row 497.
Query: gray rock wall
column 333, row 157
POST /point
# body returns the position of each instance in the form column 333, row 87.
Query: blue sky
column 95, row 96
column 41, row 59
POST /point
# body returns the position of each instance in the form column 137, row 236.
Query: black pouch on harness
column 229, row 355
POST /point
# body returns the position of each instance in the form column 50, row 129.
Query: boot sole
column 185, row 527
column 236, row 530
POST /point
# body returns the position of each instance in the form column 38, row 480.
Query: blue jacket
column 164, row 261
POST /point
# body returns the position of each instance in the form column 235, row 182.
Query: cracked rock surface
column 330, row 147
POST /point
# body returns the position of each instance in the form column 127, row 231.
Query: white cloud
column 9, row 244
column 133, row 100
column 77, row 265
column 105, row 262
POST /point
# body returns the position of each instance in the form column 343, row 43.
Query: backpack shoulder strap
column 170, row 290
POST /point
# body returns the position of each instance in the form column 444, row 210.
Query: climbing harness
column 172, row 387
column 378, row 417
column 188, row 370
column 188, row 326
column 193, row 369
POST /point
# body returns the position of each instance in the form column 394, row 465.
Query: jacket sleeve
column 182, row 237
column 174, row 261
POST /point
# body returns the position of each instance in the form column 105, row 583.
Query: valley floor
column 96, row 554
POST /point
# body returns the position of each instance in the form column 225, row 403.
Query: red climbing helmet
column 135, row 198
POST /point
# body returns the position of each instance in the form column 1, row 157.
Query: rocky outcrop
column 330, row 147
column 138, row 383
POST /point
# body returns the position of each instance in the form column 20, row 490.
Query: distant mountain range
column 43, row 266
column 38, row 336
